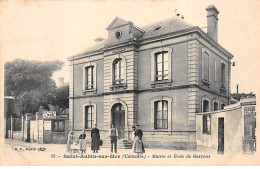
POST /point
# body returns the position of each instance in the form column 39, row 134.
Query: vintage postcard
column 129, row 83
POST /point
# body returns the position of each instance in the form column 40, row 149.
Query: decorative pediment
column 118, row 22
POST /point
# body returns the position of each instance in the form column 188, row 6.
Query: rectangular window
column 89, row 79
column 58, row 125
column 161, row 60
column 206, row 124
column 205, row 66
column 223, row 74
column 89, row 117
column 215, row 70
column 161, row 115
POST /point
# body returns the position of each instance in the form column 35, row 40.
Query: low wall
column 233, row 129
column 17, row 135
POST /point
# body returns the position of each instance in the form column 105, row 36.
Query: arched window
column 215, row 106
column 162, row 69
column 205, row 107
column 161, row 114
column 118, row 71
column 222, row 106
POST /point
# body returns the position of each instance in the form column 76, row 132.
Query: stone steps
column 121, row 144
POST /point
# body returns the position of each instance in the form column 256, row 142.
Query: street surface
column 21, row 153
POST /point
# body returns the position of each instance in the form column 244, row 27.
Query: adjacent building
column 158, row 76
column 230, row 130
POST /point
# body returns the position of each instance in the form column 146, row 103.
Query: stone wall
column 233, row 129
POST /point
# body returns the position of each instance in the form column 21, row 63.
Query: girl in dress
column 82, row 142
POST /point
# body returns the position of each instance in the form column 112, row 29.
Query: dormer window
column 157, row 28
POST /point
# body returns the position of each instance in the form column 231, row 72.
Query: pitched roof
column 118, row 22
column 167, row 26
column 97, row 46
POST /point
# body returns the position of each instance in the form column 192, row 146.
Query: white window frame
column 170, row 100
column 112, row 69
column 94, row 114
column 94, row 75
column 153, row 63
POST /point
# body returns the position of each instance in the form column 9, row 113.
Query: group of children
column 76, row 144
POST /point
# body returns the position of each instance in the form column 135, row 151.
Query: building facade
column 158, row 76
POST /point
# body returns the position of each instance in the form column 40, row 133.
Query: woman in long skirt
column 138, row 143
column 133, row 138
column 71, row 139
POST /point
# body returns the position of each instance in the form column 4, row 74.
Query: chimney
column 237, row 88
column 212, row 22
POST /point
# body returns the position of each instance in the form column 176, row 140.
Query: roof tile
column 169, row 25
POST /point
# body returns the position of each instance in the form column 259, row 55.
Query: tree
column 238, row 96
column 30, row 83
column 61, row 97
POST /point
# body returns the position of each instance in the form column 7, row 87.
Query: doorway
column 118, row 119
column 221, row 135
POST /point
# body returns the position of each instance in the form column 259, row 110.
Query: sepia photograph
column 129, row 83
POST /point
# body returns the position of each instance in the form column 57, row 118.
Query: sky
column 50, row 30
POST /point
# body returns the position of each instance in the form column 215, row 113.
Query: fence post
column 27, row 126
column 12, row 127
column 37, row 121
column 5, row 128
column 22, row 128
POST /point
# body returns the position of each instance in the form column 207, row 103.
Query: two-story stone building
column 158, row 76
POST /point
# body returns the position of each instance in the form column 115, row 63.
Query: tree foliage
column 61, row 97
column 30, row 83
column 238, row 96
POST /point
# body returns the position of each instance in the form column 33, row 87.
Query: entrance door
column 221, row 135
column 118, row 119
